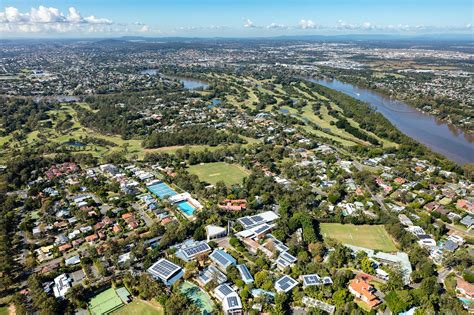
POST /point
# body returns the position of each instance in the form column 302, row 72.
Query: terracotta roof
column 91, row 238
column 364, row 289
column 467, row 287
column 64, row 247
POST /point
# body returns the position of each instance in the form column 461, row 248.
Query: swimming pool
column 465, row 300
column 186, row 207
column 162, row 190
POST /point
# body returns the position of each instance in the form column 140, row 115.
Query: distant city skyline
column 244, row 18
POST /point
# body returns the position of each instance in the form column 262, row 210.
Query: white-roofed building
column 222, row 259
column 211, row 273
column 192, row 250
column 254, row 220
column 61, row 285
column 214, row 231
column 231, row 303
column 245, row 274
column 166, row 271
column 285, row 284
column 285, row 260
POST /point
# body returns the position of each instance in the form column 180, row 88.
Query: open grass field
column 369, row 236
column 212, row 173
column 140, row 307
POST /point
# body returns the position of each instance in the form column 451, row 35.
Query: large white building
column 61, row 285
column 231, row 303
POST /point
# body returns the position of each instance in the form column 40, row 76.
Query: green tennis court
column 105, row 302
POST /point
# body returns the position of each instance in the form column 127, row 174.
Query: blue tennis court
column 162, row 190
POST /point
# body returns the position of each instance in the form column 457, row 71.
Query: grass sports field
column 212, row 173
column 369, row 236
column 140, row 307
column 105, row 302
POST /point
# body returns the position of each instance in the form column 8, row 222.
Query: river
column 439, row 136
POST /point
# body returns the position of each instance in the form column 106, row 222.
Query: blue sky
column 232, row 18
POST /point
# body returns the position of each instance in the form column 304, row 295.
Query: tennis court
column 105, row 302
column 162, row 190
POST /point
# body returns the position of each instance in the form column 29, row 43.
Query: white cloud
column 276, row 26
column 94, row 20
column 306, row 24
column 144, row 29
column 249, row 24
column 74, row 16
column 48, row 15
column 367, row 25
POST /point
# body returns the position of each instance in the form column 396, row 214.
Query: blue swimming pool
column 162, row 190
column 186, row 207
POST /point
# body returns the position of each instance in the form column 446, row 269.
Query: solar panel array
column 327, row 280
column 225, row 289
column 251, row 221
column 285, row 283
column 246, row 221
column 220, row 258
column 245, row 273
column 197, row 249
column 282, row 262
column 312, row 279
column 232, row 301
column 288, row 257
column 262, row 228
column 278, row 244
column 164, row 268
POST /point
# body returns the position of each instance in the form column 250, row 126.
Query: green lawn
column 140, row 307
column 212, row 173
column 369, row 236
column 4, row 310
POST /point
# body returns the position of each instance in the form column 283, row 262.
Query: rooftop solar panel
column 246, row 221
column 327, row 280
column 282, row 262
column 285, row 283
column 225, row 289
column 221, row 258
column 263, row 228
column 311, row 279
column 288, row 257
column 232, row 301
column 194, row 250
column 164, row 268
column 245, row 273
column 257, row 218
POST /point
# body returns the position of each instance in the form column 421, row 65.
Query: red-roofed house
column 127, row 216
column 465, row 288
column 364, row 291
column 65, row 247
column 91, row 238
column 233, row 205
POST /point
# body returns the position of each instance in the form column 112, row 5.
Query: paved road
column 54, row 261
column 144, row 215
column 458, row 230
column 443, row 273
